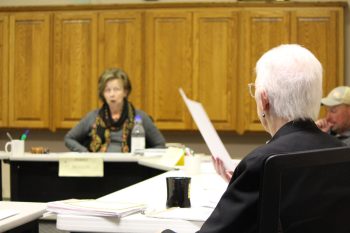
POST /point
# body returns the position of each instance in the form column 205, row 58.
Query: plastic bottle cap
column 138, row 118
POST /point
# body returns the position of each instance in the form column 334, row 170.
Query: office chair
column 306, row 192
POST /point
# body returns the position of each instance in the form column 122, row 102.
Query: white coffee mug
column 192, row 164
column 17, row 147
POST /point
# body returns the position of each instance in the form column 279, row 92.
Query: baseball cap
column 339, row 95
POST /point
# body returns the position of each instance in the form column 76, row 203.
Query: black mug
column 178, row 192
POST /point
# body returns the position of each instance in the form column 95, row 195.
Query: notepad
column 94, row 207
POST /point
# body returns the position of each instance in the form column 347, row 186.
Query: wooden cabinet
column 120, row 45
column 51, row 59
column 4, row 100
column 262, row 30
column 321, row 31
column 169, row 67
column 215, row 70
column 318, row 29
column 29, row 70
column 198, row 52
column 75, row 66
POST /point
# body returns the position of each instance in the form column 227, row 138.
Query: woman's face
column 114, row 92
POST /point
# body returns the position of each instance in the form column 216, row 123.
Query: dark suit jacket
column 237, row 210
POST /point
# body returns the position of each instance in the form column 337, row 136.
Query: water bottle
column 138, row 140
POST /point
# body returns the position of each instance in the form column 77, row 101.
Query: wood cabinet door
column 75, row 65
column 29, row 70
column 321, row 31
column 262, row 30
column 215, row 65
column 4, row 100
column 120, row 36
column 168, row 67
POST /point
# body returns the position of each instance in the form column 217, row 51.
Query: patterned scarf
column 104, row 124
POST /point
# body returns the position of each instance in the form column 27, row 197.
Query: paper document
column 206, row 128
column 94, row 207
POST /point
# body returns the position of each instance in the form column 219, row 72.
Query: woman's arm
column 77, row 135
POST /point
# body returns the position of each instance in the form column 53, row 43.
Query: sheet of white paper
column 208, row 131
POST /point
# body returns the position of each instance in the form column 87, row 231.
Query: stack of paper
column 94, row 207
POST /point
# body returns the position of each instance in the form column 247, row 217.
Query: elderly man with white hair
column 287, row 91
column 337, row 120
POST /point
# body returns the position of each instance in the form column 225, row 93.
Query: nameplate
column 80, row 167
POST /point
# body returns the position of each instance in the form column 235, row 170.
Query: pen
column 9, row 136
column 24, row 136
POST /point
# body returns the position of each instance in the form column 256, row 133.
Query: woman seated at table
column 108, row 129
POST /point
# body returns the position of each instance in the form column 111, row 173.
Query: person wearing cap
column 337, row 120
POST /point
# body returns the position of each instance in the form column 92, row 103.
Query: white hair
column 292, row 78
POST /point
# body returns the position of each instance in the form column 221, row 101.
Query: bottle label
column 137, row 143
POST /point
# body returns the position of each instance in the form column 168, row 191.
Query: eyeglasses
column 251, row 87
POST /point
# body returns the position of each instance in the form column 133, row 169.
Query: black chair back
column 306, row 192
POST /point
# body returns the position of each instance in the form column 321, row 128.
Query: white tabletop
column 148, row 161
column 107, row 157
column 26, row 212
column 4, row 155
column 205, row 186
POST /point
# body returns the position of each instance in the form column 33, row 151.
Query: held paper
column 206, row 128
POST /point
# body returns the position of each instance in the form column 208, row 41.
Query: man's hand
column 324, row 125
column 221, row 170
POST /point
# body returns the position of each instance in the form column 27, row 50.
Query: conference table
column 24, row 216
column 36, row 177
column 205, row 191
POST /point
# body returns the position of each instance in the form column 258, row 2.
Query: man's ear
column 264, row 101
